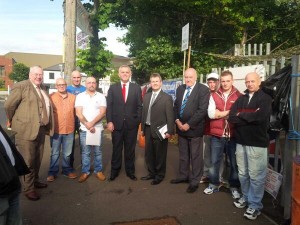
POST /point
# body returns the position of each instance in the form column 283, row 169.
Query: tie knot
column 188, row 88
column 124, row 85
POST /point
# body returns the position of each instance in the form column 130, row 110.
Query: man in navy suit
column 190, row 109
column 124, row 108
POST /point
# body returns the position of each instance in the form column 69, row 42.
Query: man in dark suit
column 124, row 109
column 12, row 166
column 190, row 110
column 157, row 112
column 28, row 109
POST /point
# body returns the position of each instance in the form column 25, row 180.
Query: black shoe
column 148, row 177
column 112, row 178
column 155, row 182
column 192, row 188
column 132, row 177
column 178, row 181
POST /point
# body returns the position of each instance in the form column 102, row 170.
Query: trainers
column 204, row 179
column 235, row 194
column 100, row 176
column 240, row 203
column 251, row 214
column 210, row 190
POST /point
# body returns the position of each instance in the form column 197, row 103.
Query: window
column 2, row 71
column 51, row 76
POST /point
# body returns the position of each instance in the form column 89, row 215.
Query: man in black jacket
column 250, row 114
column 190, row 109
column 12, row 166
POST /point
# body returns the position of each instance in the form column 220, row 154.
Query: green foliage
column 114, row 77
column 20, row 72
column 2, row 83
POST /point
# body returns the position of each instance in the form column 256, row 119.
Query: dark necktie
column 44, row 117
column 186, row 97
column 124, row 92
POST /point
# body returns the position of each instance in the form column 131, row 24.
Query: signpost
column 185, row 44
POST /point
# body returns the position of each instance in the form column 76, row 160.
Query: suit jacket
column 23, row 111
column 195, row 110
column 122, row 113
column 161, row 112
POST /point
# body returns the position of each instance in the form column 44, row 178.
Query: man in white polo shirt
column 90, row 109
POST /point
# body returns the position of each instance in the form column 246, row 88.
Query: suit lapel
column 119, row 91
column 157, row 97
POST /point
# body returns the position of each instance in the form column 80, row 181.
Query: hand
column 185, row 127
column 179, row 125
column 93, row 130
column 110, row 126
column 88, row 125
column 168, row 135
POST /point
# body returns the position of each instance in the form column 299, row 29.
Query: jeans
column 58, row 142
column 86, row 154
column 218, row 144
column 10, row 210
column 252, row 164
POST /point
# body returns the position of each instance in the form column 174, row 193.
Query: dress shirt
column 64, row 112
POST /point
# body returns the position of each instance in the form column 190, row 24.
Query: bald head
column 91, row 84
column 76, row 78
column 252, row 81
column 190, row 77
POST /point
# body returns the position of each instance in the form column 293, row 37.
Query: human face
column 61, row 86
column 190, row 77
column 76, row 78
column 124, row 74
column 226, row 82
column 91, row 84
column 252, row 82
column 213, row 84
column 36, row 75
column 156, row 83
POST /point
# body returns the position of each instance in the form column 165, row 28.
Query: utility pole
column 69, row 39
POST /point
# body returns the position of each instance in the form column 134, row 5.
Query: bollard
column 296, row 191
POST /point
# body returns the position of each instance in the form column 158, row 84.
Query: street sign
column 185, row 37
column 82, row 19
column 82, row 40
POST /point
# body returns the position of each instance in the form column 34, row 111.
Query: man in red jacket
column 222, row 134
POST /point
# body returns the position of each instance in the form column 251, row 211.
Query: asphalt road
column 67, row 202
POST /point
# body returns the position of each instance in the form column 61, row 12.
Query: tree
column 20, row 72
column 2, row 83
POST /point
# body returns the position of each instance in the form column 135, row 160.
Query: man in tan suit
column 28, row 109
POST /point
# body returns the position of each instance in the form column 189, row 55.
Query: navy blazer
column 195, row 110
column 122, row 113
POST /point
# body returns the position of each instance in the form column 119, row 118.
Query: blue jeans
column 86, row 154
column 252, row 164
column 10, row 210
column 58, row 142
column 218, row 144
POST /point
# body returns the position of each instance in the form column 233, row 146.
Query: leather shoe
column 40, row 185
column 155, row 182
column 83, row 177
column 132, row 177
column 192, row 188
column 112, row 178
column 148, row 177
column 33, row 196
column 178, row 181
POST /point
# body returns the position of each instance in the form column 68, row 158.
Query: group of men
column 237, row 124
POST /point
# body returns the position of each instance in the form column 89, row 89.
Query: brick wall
column 7, row 63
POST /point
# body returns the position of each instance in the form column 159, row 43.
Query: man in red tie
column 124, row 108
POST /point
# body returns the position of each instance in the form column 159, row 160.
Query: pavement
column 94, row 202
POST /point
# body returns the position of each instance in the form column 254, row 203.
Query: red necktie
column 124, row 92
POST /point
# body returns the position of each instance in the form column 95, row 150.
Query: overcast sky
column 36, row 26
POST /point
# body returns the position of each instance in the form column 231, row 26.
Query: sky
column 36, row 26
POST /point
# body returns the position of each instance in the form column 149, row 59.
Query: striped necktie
column 186, row 97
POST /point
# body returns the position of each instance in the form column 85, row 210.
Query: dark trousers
column 155, row 155
column 77, row 126
column 124, row 138
column 190, row 156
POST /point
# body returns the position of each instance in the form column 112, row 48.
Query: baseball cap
column 214, row 76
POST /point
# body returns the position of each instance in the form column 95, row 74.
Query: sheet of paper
column 94, row 138
column 163, row 130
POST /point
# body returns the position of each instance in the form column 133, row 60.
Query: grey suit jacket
column 22, row 110
column 161, row 112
